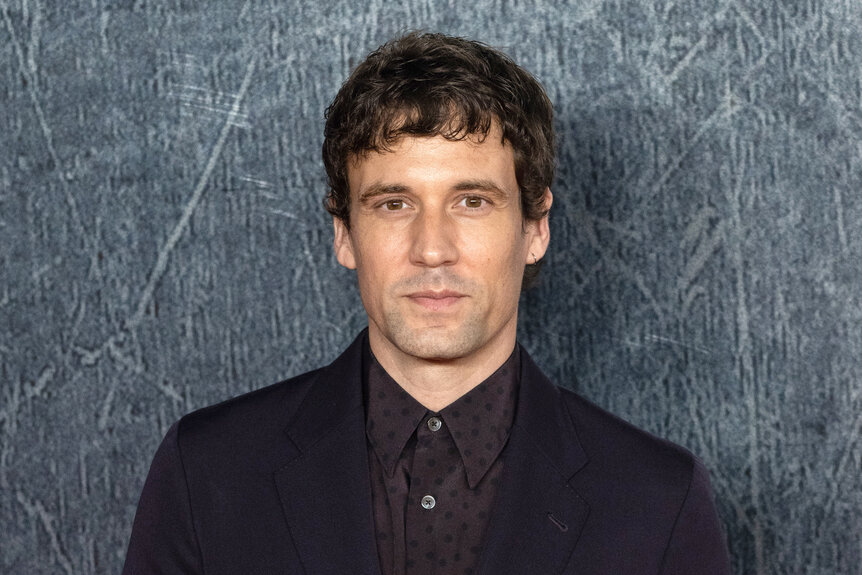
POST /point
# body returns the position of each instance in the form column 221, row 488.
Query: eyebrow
column 378, row 189
column 486, row 186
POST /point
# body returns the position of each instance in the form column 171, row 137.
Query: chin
column 437, row 343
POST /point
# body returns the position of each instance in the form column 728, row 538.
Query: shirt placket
column 427, row 502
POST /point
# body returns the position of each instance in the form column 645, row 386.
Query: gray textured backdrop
column 162, row 245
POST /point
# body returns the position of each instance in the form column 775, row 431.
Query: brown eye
column 393, row 205
column 473, row 202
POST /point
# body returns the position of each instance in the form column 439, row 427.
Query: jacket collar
column 543, row 415
column 335, row 395
column 538, row 516
column 325, row 490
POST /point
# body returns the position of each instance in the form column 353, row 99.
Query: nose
column 433, row 239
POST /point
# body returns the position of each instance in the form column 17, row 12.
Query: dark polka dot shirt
column 434, row 476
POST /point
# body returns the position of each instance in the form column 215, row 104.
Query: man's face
column 439, row 245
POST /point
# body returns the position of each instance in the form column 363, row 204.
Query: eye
column 393, row 205
column 474, row 202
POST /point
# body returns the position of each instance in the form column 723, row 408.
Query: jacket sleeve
column 163, row 535
column 697, row 543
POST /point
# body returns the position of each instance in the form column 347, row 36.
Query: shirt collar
column 391, row 414
column 479, row 421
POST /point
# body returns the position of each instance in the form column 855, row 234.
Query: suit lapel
column 326, row 491
column 537, row 517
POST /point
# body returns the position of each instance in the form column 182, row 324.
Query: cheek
column 501, row 269
column 501, row 251
column 371, row 290
column 374, row 261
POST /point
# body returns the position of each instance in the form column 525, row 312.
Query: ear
column 343, row 245
column 539, row 232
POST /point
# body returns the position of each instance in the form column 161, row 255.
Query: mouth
column 436, row 300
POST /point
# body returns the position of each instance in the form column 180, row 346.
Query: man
column 433, row 444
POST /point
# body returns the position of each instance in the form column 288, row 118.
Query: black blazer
column 277, row 481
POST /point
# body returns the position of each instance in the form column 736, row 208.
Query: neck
column 436, row 383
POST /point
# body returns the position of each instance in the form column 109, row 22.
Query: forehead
column 413, row 161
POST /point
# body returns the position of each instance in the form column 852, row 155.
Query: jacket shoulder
column 212, row 473
column 244, row 424
column 652, row 498
column 260, row 428
column 622, row 452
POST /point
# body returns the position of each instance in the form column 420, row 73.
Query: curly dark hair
column 428, row 84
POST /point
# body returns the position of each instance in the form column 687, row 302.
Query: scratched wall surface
column 162, row 245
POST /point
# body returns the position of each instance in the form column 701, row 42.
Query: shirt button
column 428, row 502
column 434, row 423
